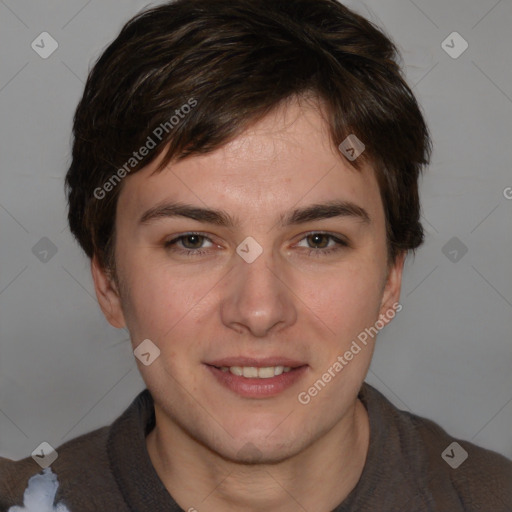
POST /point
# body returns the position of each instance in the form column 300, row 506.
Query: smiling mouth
column 253, row 372
column 258, row 382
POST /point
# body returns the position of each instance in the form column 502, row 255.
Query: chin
column 257, row 448
column 253, row 453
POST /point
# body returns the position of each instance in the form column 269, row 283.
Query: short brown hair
column 238, row 60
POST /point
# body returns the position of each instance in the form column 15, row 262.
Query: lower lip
column 258, row 388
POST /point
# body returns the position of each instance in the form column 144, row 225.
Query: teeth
column 237, row 370
column 253, row 372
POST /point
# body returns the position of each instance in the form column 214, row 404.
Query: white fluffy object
column 39, row 496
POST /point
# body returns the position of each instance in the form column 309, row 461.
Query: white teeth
column 237, row 370
column 250, row 371
column 267, row 373
column 253, row 372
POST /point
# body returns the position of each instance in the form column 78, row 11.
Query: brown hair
column 234, row 61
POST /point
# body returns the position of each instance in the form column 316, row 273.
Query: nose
column 256, row 299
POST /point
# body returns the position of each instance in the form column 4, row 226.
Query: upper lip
column 257, row 363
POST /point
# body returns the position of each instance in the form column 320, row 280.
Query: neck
column 318, row 478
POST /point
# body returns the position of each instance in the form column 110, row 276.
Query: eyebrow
column 221, row 218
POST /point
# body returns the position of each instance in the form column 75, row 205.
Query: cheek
column 347, row 302
column 158, row 302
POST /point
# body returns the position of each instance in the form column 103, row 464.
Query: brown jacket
column 410, row 467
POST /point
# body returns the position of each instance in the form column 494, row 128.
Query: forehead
column 283, row 160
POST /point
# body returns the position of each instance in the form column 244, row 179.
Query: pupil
column 194, row 239
column 316, row 237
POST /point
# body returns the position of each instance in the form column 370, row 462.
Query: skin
column 213, row 449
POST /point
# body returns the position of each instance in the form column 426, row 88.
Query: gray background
column 448, row 355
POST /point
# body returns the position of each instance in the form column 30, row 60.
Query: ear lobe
column 392, row 288
column 107, row 294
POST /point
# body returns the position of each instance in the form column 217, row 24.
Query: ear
column 107, row 294
column 391, row 292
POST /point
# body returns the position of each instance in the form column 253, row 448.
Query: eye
column 321, row 242
column 192, row 244
column 189, row 244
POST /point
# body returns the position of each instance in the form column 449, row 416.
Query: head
column 224, row 118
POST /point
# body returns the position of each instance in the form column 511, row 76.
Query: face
column 280, row 260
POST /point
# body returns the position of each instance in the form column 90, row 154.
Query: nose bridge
column 257, row 298
column 257, row 275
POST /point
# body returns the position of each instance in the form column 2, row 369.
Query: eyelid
column 340, row 243
column 333, row 236
column 180, row 237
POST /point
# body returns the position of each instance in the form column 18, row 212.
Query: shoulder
column 449, row 472
column 80, row 462
column 481, row 478
column 84, row 475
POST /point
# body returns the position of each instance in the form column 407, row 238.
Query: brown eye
column 317, row 239
column 190, row 244
column 192, row 241
column 322, row 244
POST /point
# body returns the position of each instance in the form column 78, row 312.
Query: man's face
column 301, row 302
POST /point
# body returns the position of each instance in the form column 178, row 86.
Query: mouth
column 252, row 368
column 254, row 372
column 257, row 379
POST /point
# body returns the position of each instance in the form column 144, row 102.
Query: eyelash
column 340, row 245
